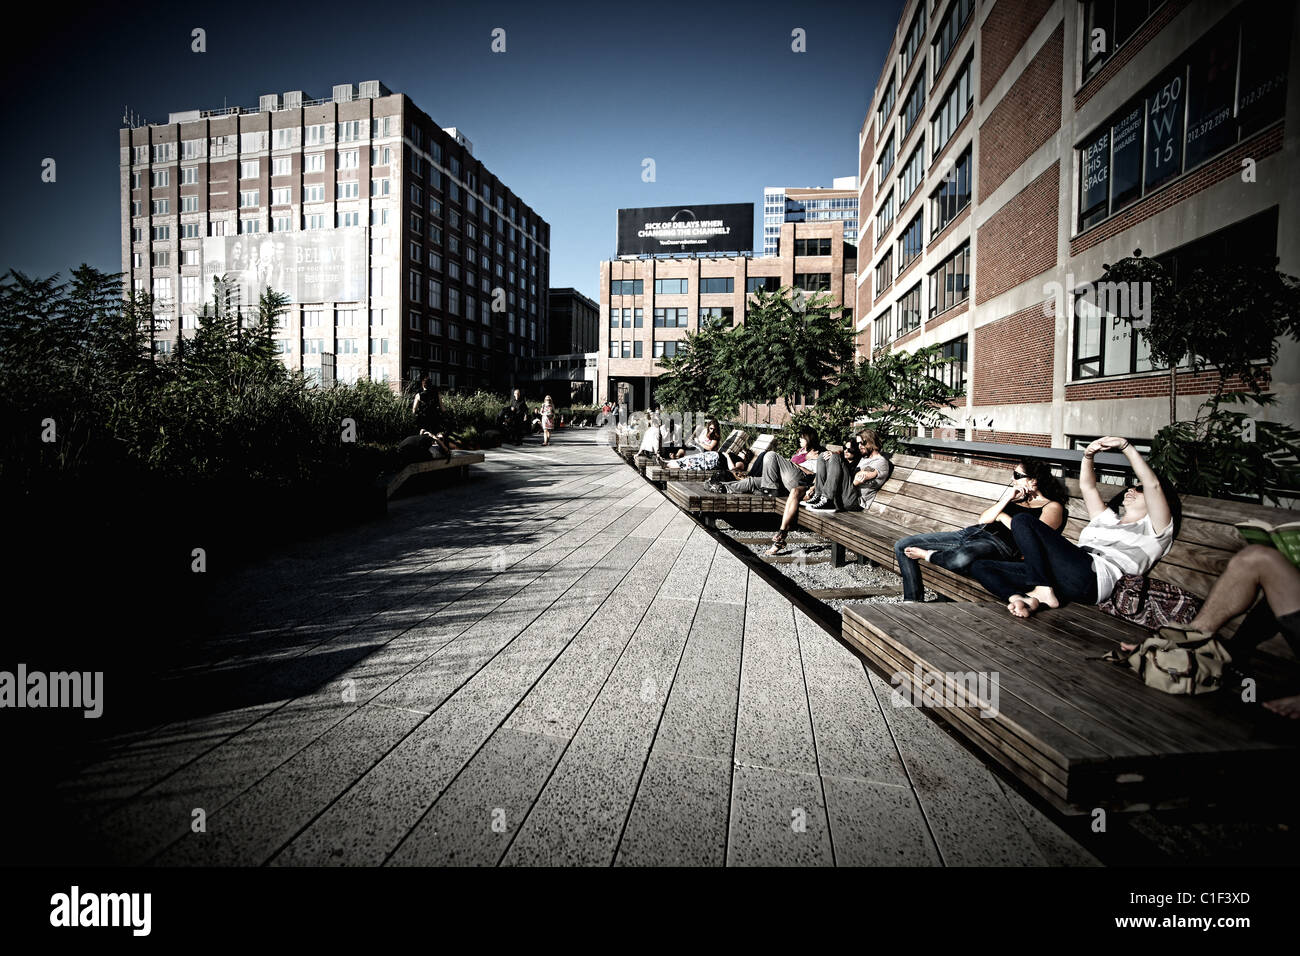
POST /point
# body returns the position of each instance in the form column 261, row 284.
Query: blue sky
column 584, row 92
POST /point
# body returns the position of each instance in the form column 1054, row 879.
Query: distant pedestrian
column 547, row 411
column 516, row 415
column 429, row 415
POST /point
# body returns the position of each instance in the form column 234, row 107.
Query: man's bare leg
column 1252, row 568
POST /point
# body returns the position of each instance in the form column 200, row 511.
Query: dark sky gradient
column 710, row 91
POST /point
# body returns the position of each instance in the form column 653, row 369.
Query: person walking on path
column 516, row 414
column 547, row 411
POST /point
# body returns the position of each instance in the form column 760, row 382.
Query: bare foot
column 1285, row 707
column 918, row 554
column 1128, row 648
column 1045, row 595
column 1022, row 606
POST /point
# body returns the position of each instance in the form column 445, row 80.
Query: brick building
column 1013, row 147
column 400, row 251
column 649, row 304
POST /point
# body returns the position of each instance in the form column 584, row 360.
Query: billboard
column 665, row 230
column 319, row 265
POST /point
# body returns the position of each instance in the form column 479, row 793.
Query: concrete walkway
column 549, row 664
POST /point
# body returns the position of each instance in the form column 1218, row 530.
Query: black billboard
column 669, row 230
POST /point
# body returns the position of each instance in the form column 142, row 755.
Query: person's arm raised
column 1157, row 504
column 1088, row 479
column 990, row 514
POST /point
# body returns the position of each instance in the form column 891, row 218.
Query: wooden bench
column 1079, row 732
column 660, row 474
column 460, row 460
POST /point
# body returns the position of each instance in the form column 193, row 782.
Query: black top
column 427, row 414
column 518, row 409
column 1011, row 510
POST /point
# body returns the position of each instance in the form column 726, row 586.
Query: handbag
column 1192, row 664
column 1150, row 603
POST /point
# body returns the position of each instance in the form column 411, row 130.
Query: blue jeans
column 1049, row 560
column 955, row 551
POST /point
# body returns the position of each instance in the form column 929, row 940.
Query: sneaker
column 715, row 488
column 823, row 506
column 813, row 502
column 767, row 492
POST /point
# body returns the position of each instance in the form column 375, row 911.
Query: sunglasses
column 1137, row 488
column 1019, row 475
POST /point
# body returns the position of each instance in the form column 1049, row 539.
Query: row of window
column 951, row 25
column 257, row 140
column 714, row 285
column 1228, row 86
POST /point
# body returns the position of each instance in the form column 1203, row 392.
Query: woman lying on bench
column 1034, row 490
column 709, row 441
column 1128, row 535
column 711, row 461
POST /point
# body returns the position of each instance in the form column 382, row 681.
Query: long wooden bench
column 1079, row 732
column 460, row 460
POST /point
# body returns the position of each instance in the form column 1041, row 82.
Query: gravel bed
column 811, row 577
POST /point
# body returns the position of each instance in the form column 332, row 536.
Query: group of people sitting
column 1017, row 549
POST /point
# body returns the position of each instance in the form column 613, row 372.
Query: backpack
column 1150, row 603
column 1192, row 666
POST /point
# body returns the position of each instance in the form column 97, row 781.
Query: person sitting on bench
column 1034, row 490
column 1128, row 535
column 778, row 472
column 710, row 441
column 424, row 446
column 651, row 440
column 1253, row 569
column 711, row 461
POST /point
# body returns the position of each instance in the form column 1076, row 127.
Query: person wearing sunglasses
column 1034, row 491
column 1126, row 535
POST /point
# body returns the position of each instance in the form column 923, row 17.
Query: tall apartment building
column 783, row 204
column 401, row 253
column 648, row 305
column 574, row 323
column 1013, row 147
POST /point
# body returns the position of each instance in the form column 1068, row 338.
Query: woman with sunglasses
column 1126, row 535
column 1034, row 491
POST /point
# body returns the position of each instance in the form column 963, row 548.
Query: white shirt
column 1119, row 549
column 650, row 441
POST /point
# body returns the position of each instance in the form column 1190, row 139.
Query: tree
column 898, row 391
column 1230, row 317
column 700, row 377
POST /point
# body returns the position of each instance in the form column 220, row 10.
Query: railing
column 1107, row 464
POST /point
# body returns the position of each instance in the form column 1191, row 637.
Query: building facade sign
column 666, row 230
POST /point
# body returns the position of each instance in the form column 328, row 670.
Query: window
column 281, row 165
column 915, row 103
column 915, row 33
column 953, row 372
column 670, row 318
column 885, row 271
column 164, row 152
column 217, row 227
column 162, row 291
column 910, row 177
column 620, row 286
column 883, row 333
column 1117, row 21
column 952, row 196
column 954, row 21
column 718, row 315
column 313, row 163
column 812, row 247
column 252, row 141
column 248, row 169
column 248, row 197
column 762, row 283
column 379, row 187
column 161, row 233
column 908, row 311
column 956, row 104
column 314, row 135
column 665, row 349
column 886, row 104
column 281, row 223
column 670, row 286
column 717, row 285
column 886, row 161
column 191, row 230
column 349, row 131
column 885, row 216
column 344, row 219
column 950, row 283
column 192, row 148
column 286, row 138
column 315, row 192
column 453, row 301
column 1202, row 105
column 281, row 196
column 348, row 189
column 911, row 241
column 349, row 159
column 189, row 175
column 627, row 318
column 161, row 177
column 638, row 318
column 615, row 350
column 191, row 289
column 813, row 281
column 161, row 207
column 636, row 348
